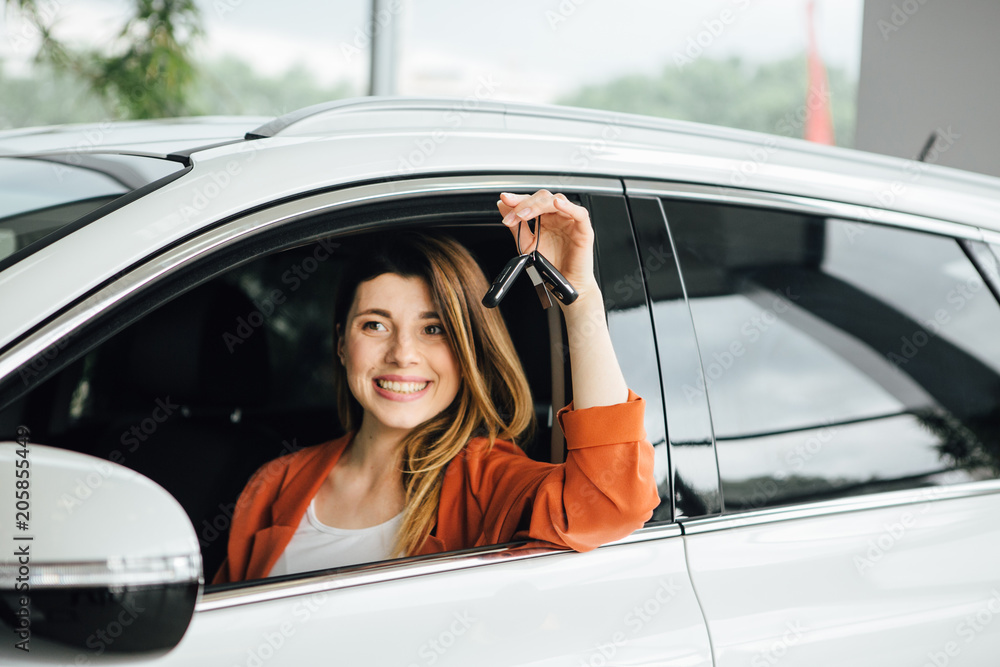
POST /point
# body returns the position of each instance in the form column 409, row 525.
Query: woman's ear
column 340, row 344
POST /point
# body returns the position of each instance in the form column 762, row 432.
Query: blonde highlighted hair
column 494, row 399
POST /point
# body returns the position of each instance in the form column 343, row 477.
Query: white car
column 816, row 333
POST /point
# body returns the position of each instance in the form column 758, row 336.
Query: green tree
column 148, row 71
column 770, row 97
column 227, row 86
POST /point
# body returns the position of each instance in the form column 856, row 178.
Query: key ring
column 538, row 234
column 530, row 265
column 544, row 276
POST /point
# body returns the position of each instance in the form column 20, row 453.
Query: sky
column 532, row 50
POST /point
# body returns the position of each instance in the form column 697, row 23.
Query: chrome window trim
column 840, row 506
column 801, row 204
column 420, row 566
column 54, row 333
column 657, row 531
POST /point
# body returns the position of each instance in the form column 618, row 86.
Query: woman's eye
column 372, row 326
column 434, row 329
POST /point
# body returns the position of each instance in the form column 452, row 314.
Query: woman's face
column 399, row 362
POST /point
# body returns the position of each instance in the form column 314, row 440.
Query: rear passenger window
column 839, row 358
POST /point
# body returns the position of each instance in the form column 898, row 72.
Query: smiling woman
column 433, row 397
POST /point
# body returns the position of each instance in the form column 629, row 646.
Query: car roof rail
column 351, row 105
column 474, row 104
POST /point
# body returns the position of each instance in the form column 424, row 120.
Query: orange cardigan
column 603, row 492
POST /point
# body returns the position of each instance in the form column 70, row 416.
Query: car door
column 630, row 602
column 852, row 370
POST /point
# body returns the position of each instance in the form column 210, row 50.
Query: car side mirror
column 94, row 558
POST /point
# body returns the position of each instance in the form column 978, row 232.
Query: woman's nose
column 403, row 349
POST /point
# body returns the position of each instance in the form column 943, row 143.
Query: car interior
column 202, row 390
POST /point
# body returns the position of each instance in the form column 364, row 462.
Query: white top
column 316, row 546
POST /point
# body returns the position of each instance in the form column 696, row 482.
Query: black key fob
column 501, row 285
column 557, row 284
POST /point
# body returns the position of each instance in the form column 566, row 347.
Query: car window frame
column 696, row 470
column 961, row 233
column 168, row 273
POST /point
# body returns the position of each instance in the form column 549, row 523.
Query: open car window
column 207, row 386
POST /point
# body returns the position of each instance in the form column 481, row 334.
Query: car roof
column 158, row 138
column 383, row 139
column 439, row 135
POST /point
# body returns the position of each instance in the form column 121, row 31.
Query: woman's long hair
column 494, row 398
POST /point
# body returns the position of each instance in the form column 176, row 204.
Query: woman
column 432, row 395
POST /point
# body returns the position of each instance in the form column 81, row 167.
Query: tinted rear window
column 40, row 195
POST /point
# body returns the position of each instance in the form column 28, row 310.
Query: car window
column 204, row 389
column 839, row 357
column 40, row 195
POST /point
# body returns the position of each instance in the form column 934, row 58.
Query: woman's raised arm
column 567, row 240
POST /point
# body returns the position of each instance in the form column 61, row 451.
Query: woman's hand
column 566, row 235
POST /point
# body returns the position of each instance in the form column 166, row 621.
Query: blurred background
column 882, row 75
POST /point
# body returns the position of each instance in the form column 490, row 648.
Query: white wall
column 929, row 64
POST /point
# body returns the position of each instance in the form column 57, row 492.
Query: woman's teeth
column 402, row 387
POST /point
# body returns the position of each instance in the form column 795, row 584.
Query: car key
column 501, row 285
column 553, row 279
column 542, row 272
